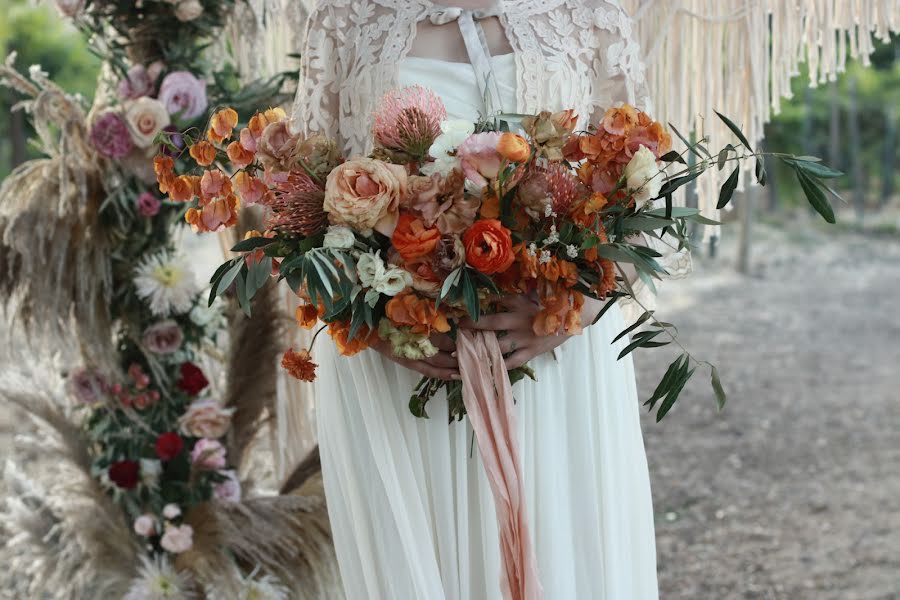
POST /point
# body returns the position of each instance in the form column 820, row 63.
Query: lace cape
column 579, row 54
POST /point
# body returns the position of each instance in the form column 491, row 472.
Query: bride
column 411, row 509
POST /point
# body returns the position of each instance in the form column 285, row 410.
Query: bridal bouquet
column 446, row 218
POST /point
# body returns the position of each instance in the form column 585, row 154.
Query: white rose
column 171, row 511
column 339, row 236
column 145, row 525
column 177, row 539
column 188, row 10
column 145, row 117
column 150, row 471
column 642, row 176
column 393, row 281
column 369, row 267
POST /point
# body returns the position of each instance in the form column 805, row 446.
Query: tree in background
column 40, row 37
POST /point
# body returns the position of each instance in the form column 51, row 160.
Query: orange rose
column 513, row 147
column 419, row 314
column 239, row 156
column 221, row 125
column 204, row 153
column 412, row 239
column 307, row 316
column 488, row 246
column 182, row 189
column 340, row 332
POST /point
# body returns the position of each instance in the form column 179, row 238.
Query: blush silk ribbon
column 488, row 397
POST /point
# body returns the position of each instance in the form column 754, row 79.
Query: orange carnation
column 412, row 239
column 181, row 189
column 307, row 316
column 488, row 246
column 420, row 314
column 299, row 365
column 221, row 125
column 340, row 333
column 204, row 153
column 513, row 147
column 239, row 156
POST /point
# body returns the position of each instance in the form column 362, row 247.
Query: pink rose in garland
column 208, row 454
column 183, row 95
column 206, row 418
column 136, row 84
column 124, row 473
column 164, row 337
column 230, row 489
column 87, row 386
column 192, row 381
column 177, row 538
column 110, row 136
column 148, row 205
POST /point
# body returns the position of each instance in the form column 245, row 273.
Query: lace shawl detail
column 579, row 54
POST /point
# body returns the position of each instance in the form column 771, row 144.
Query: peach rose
column 479, row 158
column 276, row 144
column 442, row 201
column 412, row 239
column 145, row 117
column 365, row 194
column 513, row 147
column 488, row 246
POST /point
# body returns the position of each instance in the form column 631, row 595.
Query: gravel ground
column 793, row 492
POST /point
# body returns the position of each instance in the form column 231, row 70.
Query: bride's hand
column 440, row 366
column 518, row 342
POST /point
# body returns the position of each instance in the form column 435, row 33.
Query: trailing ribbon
column 488, row 397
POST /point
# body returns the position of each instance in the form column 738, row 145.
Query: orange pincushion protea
column 299, row 365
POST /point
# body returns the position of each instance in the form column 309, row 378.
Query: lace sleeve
column 317, row 103
column 619, row 78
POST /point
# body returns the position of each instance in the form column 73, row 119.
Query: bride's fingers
column 443, row 360
column 514, row 341
column 443, row 342
column 519, row 358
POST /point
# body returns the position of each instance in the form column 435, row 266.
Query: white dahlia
column 166, row 282
column 158, row 580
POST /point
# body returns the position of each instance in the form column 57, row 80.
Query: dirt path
column 794, row 491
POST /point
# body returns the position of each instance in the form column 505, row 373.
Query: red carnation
column 169, row 445
column 124, row 473
column 192, row 379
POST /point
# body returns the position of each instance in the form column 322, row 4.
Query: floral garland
column 158, row 435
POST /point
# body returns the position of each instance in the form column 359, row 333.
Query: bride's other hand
column 518, row 342
column 440, row 366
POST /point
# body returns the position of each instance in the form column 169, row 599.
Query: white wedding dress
column 411, row 509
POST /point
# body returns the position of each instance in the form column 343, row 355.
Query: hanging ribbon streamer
column 488, row 397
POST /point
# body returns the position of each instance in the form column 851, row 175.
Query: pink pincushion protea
column 563, row 187
column 297, row 206
column 409, row 120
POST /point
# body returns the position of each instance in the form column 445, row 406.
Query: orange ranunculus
column 239, row 156
column 221, row 125
column 214, row 184
column 307, row 316
column 488, row 246
column 204, row 153
column 261, row 120
column 340, row 332
column 181, row 189
column 513, row 147
column 299, row 365
column 419, row 314
column 412, row 239
column 252, row 189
